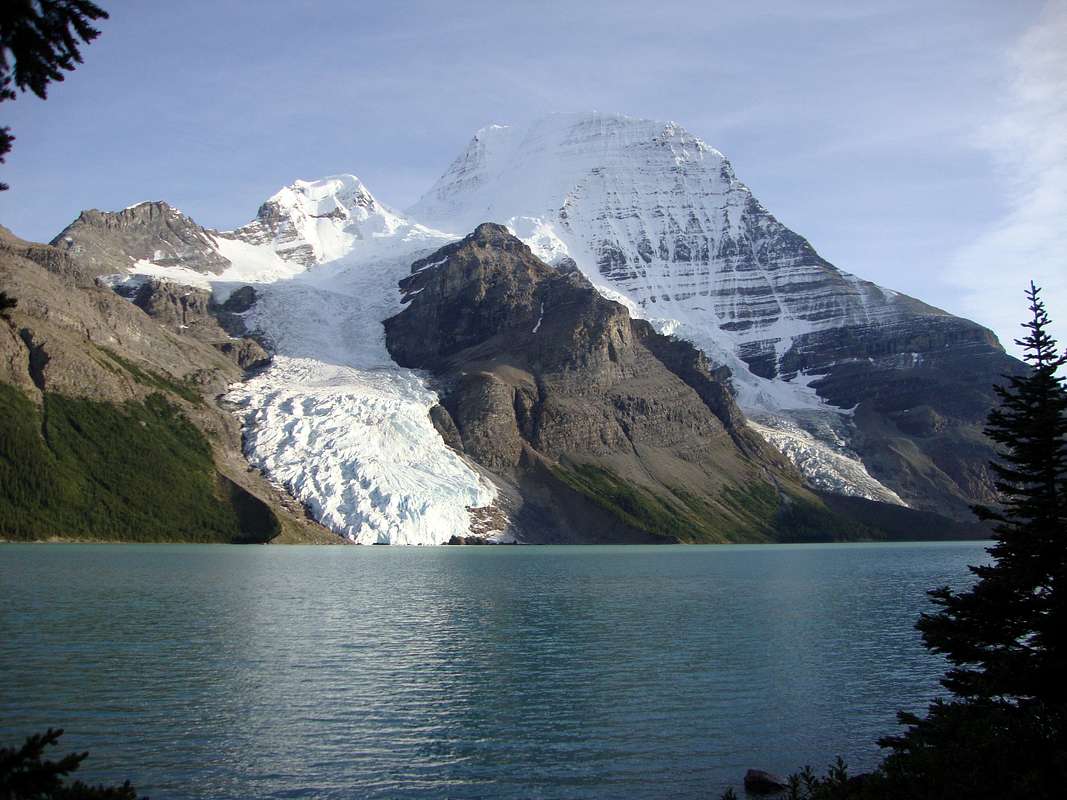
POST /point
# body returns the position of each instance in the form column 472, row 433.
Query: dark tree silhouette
column 39, row 41
column 26, row 775
column 1002, row 733
column 1007, row 636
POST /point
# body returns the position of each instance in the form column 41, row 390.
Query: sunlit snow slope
column 657, row 219
column 654, row 213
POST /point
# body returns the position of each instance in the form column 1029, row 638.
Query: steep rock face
column 550, row 385
column 189, row 311
column 174, row 305
column 920, row 390
column 248, row 354
column 654, row 216
column 54, row 260
column 103, row 242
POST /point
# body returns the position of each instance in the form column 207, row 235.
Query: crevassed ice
column 334, row 419
column 356, row 446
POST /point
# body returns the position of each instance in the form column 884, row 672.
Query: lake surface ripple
column 498, row 672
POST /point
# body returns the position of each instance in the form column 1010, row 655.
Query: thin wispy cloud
column 1029, row 144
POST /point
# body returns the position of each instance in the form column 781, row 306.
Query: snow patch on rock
column 825, row 461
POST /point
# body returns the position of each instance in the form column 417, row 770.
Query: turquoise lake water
column 496, row 672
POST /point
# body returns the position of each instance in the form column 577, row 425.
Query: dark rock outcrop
column 920, row 389
column 603, row 424
column 240, row 300
column 248, row 354
column 54, row 260
column 174, row 305
column 190, row 311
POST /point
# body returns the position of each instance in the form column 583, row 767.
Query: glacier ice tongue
column 824, row 459
column 333, row 419
column 337, row 422
column 357, row 447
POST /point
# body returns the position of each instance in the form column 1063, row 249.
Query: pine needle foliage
column 25, row 774
column 77, row 468
column 39, row 41
column 1007, row 636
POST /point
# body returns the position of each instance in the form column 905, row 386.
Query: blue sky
column 921, row 145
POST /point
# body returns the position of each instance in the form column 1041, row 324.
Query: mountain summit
column 837, row 371
column 311, row 222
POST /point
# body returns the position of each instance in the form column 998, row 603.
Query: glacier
column 333, row 419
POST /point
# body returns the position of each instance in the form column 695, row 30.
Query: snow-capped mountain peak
column 651, row 211
column 312, row 222
column 508, row 171
column 838, row 373
column 658, row 220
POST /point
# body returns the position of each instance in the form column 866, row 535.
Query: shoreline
column 345, row 542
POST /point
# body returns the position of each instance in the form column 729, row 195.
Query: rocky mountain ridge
column 110, row 420
column 657, row 218
column 104, row 242
column 310, row 222
column 870, row 393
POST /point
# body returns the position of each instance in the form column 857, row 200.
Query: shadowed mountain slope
column 603, row 427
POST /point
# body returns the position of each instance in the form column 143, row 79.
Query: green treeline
column 753, row 513
column 138, row 471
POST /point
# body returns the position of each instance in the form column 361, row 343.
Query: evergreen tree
column 1003, row 732
column 26, row 775
column 39, row 40
column 1007, row 636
